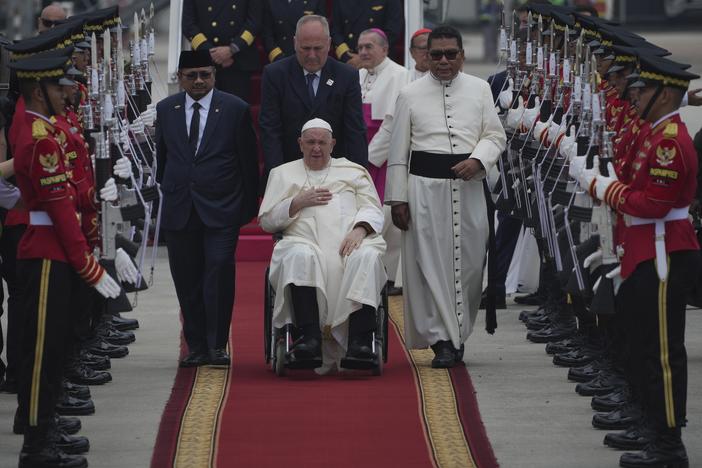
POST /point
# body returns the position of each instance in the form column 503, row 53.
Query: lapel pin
column 330, row 82
column 217, row 110
column 177, row 106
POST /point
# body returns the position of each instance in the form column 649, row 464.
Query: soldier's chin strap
column 647, row 110
column 50, row 107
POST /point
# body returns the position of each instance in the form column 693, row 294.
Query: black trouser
column 47, row 288
column 203, row 269
column 234, row 82
column 11, row 236
column 655, row 324
column 506, row 237
column 87, row 310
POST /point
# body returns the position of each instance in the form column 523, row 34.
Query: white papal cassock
column 308, row 253
column 444, row 250
column 379, row 89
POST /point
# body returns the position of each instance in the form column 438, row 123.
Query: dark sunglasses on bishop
column 192, row 76
column 450, row 54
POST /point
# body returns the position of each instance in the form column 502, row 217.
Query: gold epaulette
column 39, row 130
column 671, row 130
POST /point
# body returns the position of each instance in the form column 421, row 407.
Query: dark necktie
column 194, row 127
column 310, row 85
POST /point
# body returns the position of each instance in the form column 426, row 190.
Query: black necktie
column 310, row 85
column 194, row 127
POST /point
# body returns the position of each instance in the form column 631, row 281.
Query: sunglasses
column 450, row 54
column 48, row 23
column 192, row 76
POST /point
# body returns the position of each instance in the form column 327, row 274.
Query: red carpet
column 304, row 420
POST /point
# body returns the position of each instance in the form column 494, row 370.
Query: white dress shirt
column 316, row 82
column 204, row 102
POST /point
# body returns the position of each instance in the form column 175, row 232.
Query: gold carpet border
column 438, row 402
column 198, row 431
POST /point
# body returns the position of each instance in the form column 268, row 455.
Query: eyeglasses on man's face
column 450, row 54
column 48, row 23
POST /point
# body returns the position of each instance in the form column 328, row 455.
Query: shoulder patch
column 50, row 162
column 665, row 154
column 671, row 130
column 39, row 129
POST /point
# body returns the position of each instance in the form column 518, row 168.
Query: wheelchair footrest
column 357, row 363
column 293, row 363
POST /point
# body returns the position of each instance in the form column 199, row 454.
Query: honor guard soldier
column 279, row 21
column 351, row 17
column 53, row 257
column 227, row 28
column 660, row 261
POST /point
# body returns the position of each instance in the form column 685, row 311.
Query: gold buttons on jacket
column 231, row 23
column 216, row 40
column 209, row 8
column 233, row 7
column 214, row 24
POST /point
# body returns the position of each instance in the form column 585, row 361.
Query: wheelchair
column 277, row 342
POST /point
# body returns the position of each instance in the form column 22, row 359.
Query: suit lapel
column 297, row 78
column 212, row 119
column 181, row 126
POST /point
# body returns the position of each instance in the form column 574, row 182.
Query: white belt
column 40, row 218
column 675, row 214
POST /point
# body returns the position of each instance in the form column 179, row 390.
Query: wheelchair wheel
column 378, row 370
column 279, row 358
column 268, row 301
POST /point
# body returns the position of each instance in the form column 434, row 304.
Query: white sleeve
column 492, row 139
column 398, row 159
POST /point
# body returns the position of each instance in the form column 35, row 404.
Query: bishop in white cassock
column 446, row 137
column 381, row 80
column 330, row 216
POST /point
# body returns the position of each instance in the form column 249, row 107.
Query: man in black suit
column 306, row 86
column 279, row 21
column 208, row 170
column 227, row 29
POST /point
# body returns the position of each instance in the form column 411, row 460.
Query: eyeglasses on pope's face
column 203, row 74
column 450, row 54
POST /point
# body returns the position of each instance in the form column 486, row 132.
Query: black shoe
column 565, row 345
column 82, row 392
column 64, row 424
column 219, row 357
column 526, row 315
column 8, row 386
column 124, row 324
column 306, row 348
column 94, row 361
column 577, row 357
column 116, row 337
column 534, row 299
column 444, row 355
column 50, row 457
column 103, row 348
column 636, row 437
column 360, row 348
column 69, row 444
column 81, row 374
column 195, row 359
column 69, row 406
column 589, row 371
column 554, row 332
column 619, row 418
column 539, row 322
column 602, row 384
column 656, row 456
column 611, row 401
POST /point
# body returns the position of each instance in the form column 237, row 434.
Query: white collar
column 204, row 101
column 381, row 66
column 318, row 73
column 42, row 116
column 666, row 116
column 445, row 82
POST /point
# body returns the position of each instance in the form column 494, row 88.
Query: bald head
column 49, row 16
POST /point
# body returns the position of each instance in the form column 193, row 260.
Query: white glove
column 531, row 114
column 588, row 175
column 148, row 117
column 123, row 168
column 576, row 167
column 554, row 131
column 593, row 260
column 602, row 183
column 109, row 191
column 616, row 276
column 514, row 116
column 126, row 271
column 541, row 132
column 568, row 145
column 505, row 97
column 107, row 287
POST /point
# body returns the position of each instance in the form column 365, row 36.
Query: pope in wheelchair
column 327, row 270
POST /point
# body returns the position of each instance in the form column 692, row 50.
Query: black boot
column 619, row 418
column 65, row 424
column 124, row 324
column 102, row 348
column 636, row 437
column 39, row 451
column 72, row 445
column 69, row 406
column 79, row 373
column 667, row 451
column 361, row 328
column 306, row 315
column 82, row 392
column 445, row 355
column 94, row 361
